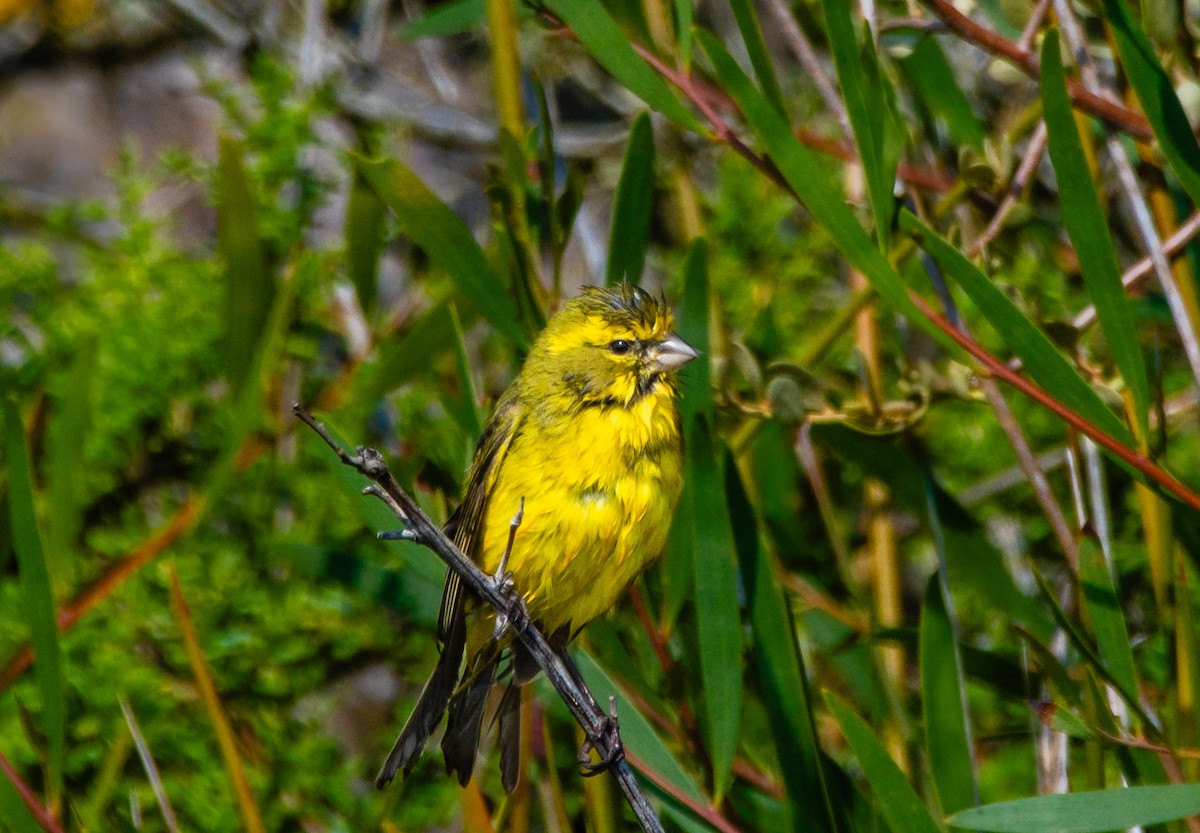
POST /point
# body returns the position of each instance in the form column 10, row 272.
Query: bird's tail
column 428, row 712
column 463, row 726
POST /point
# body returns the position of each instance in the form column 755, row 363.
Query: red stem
column 39, row 812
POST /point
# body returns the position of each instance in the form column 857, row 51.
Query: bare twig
column 803, row 49
column 156, row 783
column 1116, row 114
column 598, row 726
column 1033, row 156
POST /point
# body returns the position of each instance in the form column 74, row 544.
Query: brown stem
column 40, row 813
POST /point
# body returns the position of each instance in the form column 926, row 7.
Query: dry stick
column 1115, row 114
column 1024, row 172
column 803, row 49
column 600, row 728
column 1033, row 24
column 40, row 813
column 1077, row 42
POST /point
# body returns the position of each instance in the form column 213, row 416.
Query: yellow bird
column 587, row 438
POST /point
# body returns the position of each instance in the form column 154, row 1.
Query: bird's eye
column 620, row 347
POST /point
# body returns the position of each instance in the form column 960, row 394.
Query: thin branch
column 803, row 49
column 1135, row 274
column 705, row 812
column 1024, row 172
column 597, row 725
column 40, row 813
column 1115, row 114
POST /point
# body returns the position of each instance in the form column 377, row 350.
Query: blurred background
column 897, row 591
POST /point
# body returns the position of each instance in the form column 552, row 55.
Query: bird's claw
column 406, row 534
column 610, row 738
column 513, row 615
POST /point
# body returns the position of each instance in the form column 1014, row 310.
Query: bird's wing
column 467, row 521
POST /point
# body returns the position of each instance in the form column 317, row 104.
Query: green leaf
column 1154, row 92
column 451, row 18
column 603, row 38
column 824, row 200
column 14, row 812
column 72, row 415
column 684, row 15
column 1108, row 623
column 630, row 228
column 943, row 704
column 1048, row 367
column 1087, row 226
column 463, row 407
column 249, row 288
column 760, row 58
column 637, row 734
column 933, row 78
column 894, row 796
column 365, row 216
column 780, row 668
column 718, row 619
column 37, row 595
column 866, row 108
column 1085, row 812
column 448, row 242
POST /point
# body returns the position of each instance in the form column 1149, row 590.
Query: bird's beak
column 671, row 353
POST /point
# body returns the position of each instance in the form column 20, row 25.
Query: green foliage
column 862, row 595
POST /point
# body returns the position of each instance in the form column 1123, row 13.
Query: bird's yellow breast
column 599, row 490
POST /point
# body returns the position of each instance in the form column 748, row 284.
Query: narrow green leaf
column 448, row 242
column 1087, row 226
column 1108, row 622
column 894, row 796
column 684, row 15
column 760, row 58
column 867, row 118
column 629, row 232
column 943, row 704
column 14, row 812
column 934, row 80
column 451, row 18
column 603, row 38
column 1154, row 92
column 37, row 595
column 718, row 619
column 780, row 668
column 365, row 216
column 463, row 407
column 637, row 734
column 1048, row 367
column 824, row 200
column 1085, row 812
column 249, row 288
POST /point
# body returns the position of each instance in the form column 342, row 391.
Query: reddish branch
column 1115, row 114
column 40, row 813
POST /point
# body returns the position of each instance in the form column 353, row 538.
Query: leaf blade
column 629, row 232
column 1085, row 812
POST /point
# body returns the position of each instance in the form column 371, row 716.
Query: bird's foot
column 609, row 738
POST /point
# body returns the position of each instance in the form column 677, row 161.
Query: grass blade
column 247, row 806
column 249, row 287
column 1156, row 94
column 760, row 58
column 780, row 668
column 448, row 242
column 718, row 619
column 630, row 229
column 943, row 702
column 933, row 78
column 866, row 107
column 151, row 768
column 451, row 18
column 1048, row 367
column 38, row 595
column 1085, row 812
column 1108, row 622
column 1087, row 227
column 895, row 797
column 602, row 37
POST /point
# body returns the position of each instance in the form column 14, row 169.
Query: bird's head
column 609, row 346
